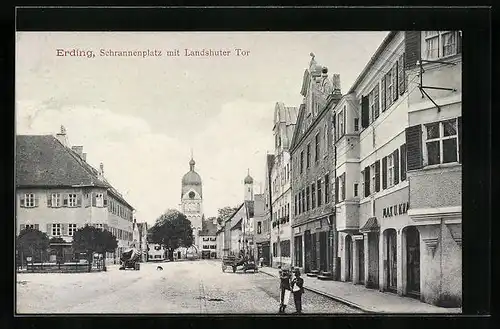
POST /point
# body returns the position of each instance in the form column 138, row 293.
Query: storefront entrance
column 391, row 260
column 307, row 249
column 348, row 258
column 298, row 251
column 412, row 261
column 361, row 261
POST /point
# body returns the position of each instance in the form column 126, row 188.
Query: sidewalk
column 368, row 300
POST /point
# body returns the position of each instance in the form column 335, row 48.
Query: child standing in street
column 297, row 286
column 285, row 289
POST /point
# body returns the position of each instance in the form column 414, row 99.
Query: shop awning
column 371, row 225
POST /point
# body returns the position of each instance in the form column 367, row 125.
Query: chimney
column 101, row 168
column 84, row 157
column 61, row 136
column 78, row 150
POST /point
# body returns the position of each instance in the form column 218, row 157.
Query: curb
column 336, row 298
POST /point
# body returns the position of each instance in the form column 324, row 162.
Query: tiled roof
column 42, row 161
column 370, row 225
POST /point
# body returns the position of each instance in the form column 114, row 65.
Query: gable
column 297, row 134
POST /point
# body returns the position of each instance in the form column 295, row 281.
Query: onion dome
column 248, row 179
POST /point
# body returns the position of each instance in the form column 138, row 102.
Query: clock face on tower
column 191, row 195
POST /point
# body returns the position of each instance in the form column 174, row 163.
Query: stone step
column 311, row 274
column 324, row 277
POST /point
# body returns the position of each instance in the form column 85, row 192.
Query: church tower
column 248, row 187
column 192, row 200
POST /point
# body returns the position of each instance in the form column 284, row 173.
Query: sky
column 141, row 117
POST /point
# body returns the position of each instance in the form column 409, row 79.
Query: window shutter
column 365, row 112
column 414, row 147
column 22, row 227
column 367, row 181
column 362, row 193
column 94, row 203
column 37, row 227
column 64, row 229
column 403, row 162
column 376, row 95
column 79, row 200
column 49, row 226
column 382, row 93
column 401, row 72
column 395, row 81
column 21, row 201
column 459, row 123
column 459, row 42
column 336, row 189
column 384, row 173
column 412, row 48
column 105, row 201
column 396, row 166
column 65, row 200
column 377, row 176
column 49, row 200
column 343, row 186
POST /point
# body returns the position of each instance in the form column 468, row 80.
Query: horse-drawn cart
column 235, row 263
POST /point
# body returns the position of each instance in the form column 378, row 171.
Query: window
column 373, row 100
column 442, row 142
column 373, row 176
column 275, row 249
column 327, row 183
column 308, row 156
column 259, row 227
column 316, row 155
column 390, row 170
column 29, row 200
column 440, row 44
column 432, row 44
column 356, row 124
column 341, row 122
column 303, row 200
column 285, row 248
column 319, row 192
column 325, row 141
column 72, row 200
column 307, row 199
column 99, row 200
column 355, row 189
column 55, row 199
column 295, row 207
column 362, row 182
column 56, row 229
column 30, row 226
column 71, row 229
column 313, row 196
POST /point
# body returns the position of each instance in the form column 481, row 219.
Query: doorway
column 412, row 261
column 361, row 261
column 322, row 250
column 391, row 261
column 314, row 263
column 348, row 258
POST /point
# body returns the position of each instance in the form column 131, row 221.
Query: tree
column 90, row 240
column 32, row 242
column 224, row 213
column 172, row 230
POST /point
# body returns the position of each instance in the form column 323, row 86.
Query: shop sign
column 396, row 210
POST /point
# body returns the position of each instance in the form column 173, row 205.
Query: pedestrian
column 285, row 289
column 297, row 285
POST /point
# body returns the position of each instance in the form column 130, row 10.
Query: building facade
column 192, row 206
column 262, row 233
column 58, row 192
column 373, row 200
column 313, row 224
column 208, row 237
column 281, row 196
column 434, row 140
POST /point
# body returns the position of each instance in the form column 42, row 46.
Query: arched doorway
column 391, row 259
column 348, row 258
column 412, row 261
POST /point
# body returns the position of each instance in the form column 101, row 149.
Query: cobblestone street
column 182, row 287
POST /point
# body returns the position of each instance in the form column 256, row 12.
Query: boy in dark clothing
column 297, row 286
column 284, row 289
